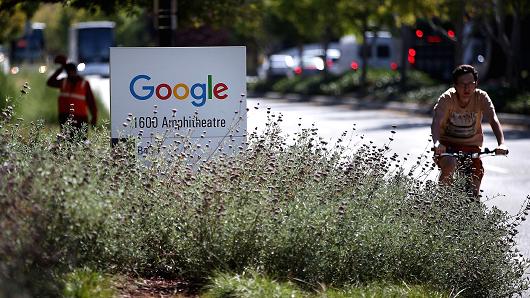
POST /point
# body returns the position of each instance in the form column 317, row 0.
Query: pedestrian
column 75, row 98
column 457, row 125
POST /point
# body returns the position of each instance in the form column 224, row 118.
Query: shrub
column 7, row 90
column 85, row 283
column 44, row 104
column 313, row 84
column 256, row 286
column 520, row 105
column 425, row 95
column 286, row 85
column 346, row 83
column 337, row 214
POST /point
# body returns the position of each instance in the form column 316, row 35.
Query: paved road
column 507, row 180
column 101, row 88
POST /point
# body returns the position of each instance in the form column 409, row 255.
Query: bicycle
column 464, row 166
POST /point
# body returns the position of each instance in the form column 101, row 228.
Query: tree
column 502, row 22
column 297, row 15
column 14, row 19
column 362, row 17
column 191, row 13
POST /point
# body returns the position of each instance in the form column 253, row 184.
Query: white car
column 4, row 61
column 277, row 66
column 384, row 53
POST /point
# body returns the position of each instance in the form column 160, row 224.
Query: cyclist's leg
column 478, row 173
column 447, row 165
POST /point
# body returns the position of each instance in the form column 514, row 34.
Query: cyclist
column 457, row 125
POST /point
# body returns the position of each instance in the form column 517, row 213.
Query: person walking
column 76, row 99
column 457, row 125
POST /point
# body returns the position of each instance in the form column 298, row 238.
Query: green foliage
column 425, row 95
column 312, row 84
column 12, row 24
column 251, row 285
column 43, row 103
column 286, row 85
column 347, row 83
column 7, row 90
column 520, row 105
column 85, row 283
column 336, row 85
column 255, row 285
column 335, row 214
column 501, row 95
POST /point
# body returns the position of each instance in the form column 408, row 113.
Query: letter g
column 150, row 89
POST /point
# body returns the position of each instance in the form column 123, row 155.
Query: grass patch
column 85, row 283
column 43, row 105
column 295, row 208
column 252, row 285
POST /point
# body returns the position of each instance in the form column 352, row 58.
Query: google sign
column 174, row 93
column 181, row 91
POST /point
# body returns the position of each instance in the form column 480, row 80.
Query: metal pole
column 166, row 21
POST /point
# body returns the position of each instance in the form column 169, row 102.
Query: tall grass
column 253, row 285
column 299, row 209
column 43, row 105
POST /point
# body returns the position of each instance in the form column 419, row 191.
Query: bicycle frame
column 464, row 165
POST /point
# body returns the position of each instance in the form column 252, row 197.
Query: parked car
column 288, row 63
column 341, row 56
column 277, row 66
column 4, row 60
column 312, row 61
column 383, row 53
column 29, row 50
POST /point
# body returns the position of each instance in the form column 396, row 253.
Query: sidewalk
column 355, row 103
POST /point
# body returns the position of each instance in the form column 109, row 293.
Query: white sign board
column 198, row 93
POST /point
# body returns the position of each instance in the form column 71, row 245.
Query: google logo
column 163, row 91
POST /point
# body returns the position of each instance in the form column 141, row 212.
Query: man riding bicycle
column 457, row 125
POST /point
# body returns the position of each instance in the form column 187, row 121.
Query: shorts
column 476, row 166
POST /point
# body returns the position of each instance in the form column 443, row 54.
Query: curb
column 355, row 103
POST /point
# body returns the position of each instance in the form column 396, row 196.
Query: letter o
column 168, row 91
column 176, row 92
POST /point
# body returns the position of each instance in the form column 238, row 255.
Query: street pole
column 166, row 21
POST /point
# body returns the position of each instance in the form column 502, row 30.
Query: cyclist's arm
column 495, row 125
column 497, row 130
column 436, row 125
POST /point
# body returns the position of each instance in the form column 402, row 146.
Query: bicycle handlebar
column 486, row 151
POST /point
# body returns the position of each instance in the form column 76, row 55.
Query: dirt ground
column 129, row 287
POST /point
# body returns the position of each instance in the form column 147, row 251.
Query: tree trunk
column 515, row 59
column 459, row 32
column 364, row 56
column 325, row 47
column 166, row 21
column 404, row 63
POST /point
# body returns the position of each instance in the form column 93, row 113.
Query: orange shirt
column 463, row 125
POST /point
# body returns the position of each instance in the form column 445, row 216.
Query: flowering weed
column 300, row 210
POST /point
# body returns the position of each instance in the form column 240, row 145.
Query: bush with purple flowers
column 295, row 208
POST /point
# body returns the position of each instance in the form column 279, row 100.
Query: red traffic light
column 419, row 33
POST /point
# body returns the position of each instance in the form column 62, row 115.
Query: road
column 507, row 180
